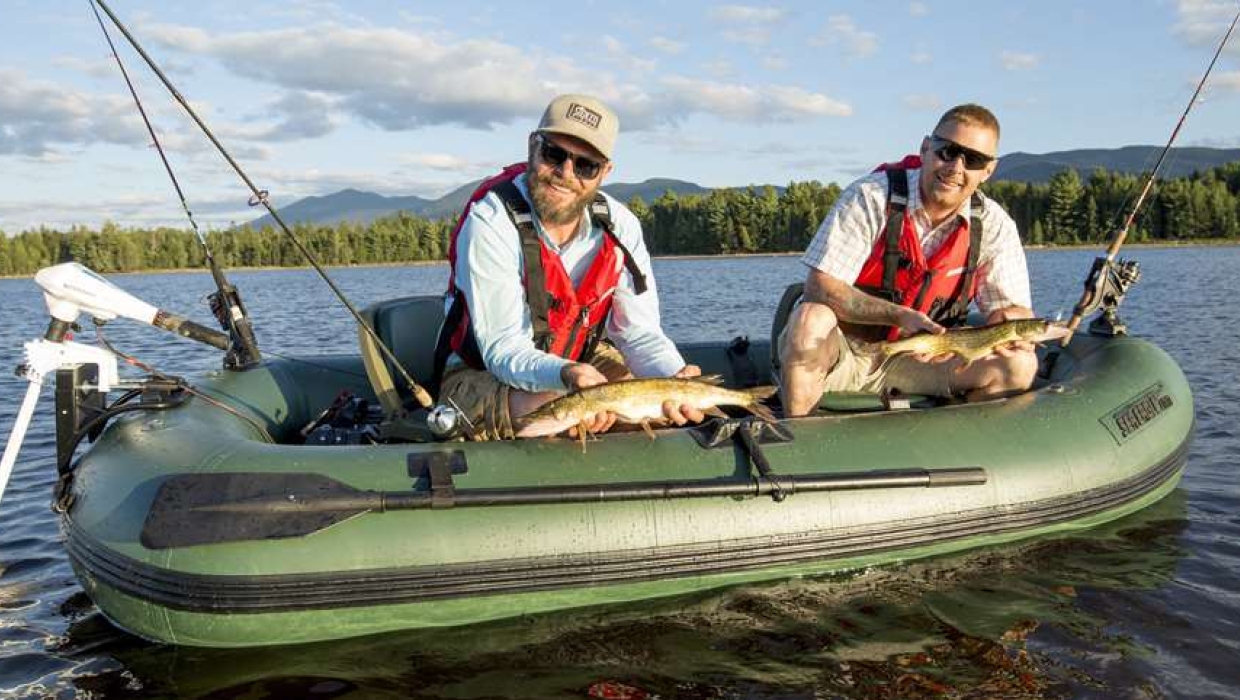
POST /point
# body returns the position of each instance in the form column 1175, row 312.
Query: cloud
column 298, row 115
column 98, row 68
column 1202, row 22
column 401, row 80
column 620, row 56
column 131, row 209
column 744, row 103
column 918, row 9
column 1228, row 82
column 774, row 62
column 666, row 45
column 747, row 14
column 842, row 32
column 745, row 24
column 38, row 117
column 1219, row 142
column 390, row 78
column 439, row 161
column 1015, row 60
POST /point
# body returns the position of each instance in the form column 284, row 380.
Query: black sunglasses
column 947, row 150
column 553, row 155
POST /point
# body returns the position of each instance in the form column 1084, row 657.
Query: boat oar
column 192, row 509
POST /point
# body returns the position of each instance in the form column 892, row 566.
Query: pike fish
column 973, row 344
column 640, row 401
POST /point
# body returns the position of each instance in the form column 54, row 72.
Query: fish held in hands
column 972, row 344
column 640, row 401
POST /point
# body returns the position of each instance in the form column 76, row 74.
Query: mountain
column 364, row 207
column 345, row 205
column 1038, row 168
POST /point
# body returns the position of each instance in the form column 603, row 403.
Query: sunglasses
column 947, row 151
column 553, row 155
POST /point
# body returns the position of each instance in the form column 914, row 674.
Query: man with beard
column 904, row 250
column 551, row 287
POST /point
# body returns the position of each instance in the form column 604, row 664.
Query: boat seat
column 409, row 327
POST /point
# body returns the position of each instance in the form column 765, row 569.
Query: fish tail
column 761, row 393
column 762, row 412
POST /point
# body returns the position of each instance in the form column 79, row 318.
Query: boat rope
column 261, row 197
column 180, row 383
column 226, row 303
column 1088, row 295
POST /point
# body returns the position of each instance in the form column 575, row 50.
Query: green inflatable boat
column 209, row 518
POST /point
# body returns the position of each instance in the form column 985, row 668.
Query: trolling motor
column 1105, row 288
column 85, row 373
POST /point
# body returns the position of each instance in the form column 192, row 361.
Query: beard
column 550, row 209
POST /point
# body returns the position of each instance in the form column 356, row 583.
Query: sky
column 418, row 98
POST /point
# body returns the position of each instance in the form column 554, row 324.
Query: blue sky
column 420, row 97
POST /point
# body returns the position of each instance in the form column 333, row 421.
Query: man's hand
column 688, row 372
column 579, row 375
column 680, row 415
column 1011, row 313
column 912, row 322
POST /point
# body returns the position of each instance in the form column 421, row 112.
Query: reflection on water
column 1144, row 607
column 1008, row 622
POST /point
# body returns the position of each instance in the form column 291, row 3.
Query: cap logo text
column 585, row 115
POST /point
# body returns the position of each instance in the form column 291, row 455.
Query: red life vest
column 898, row 271
column 568, row 319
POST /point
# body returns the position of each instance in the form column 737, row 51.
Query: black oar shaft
column 196, row 509
column 354, row 500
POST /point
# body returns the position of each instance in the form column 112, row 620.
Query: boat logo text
column 1130, row 418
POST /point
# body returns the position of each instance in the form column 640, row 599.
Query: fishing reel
column 1108, row 282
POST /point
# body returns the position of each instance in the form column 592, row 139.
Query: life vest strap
column 536, row 295
column 897, row 204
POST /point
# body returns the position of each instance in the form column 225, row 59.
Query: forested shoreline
column 1068, row 210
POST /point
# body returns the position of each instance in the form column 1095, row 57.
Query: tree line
column 1066, row 210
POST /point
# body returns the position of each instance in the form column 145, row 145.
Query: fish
column 972, row 344
column 640, row 401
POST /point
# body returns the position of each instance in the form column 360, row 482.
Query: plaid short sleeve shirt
column 847, row 236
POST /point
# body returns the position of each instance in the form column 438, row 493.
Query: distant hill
column 1038, row 168
column 364, row 207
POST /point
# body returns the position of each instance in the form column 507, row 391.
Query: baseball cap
column 583, row 117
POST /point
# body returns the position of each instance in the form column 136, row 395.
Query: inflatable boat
column 264, row 507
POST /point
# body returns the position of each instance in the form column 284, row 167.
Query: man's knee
column 808, row 328
column 1003, row 376
column 1020, row 371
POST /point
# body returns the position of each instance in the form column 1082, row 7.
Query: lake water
column 1146, row 607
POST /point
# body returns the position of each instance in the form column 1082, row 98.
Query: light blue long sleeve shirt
column 489, row 271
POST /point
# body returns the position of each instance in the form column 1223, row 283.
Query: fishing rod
column 226, row 302
column 1108, row 280
column 261, row 197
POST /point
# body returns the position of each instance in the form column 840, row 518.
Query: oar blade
column 197, row 509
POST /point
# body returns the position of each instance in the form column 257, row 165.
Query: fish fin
column 712, row 379
column 649, row 431
column 762, row 412
column 716, row 412
column 761, row 392
column 582, row 431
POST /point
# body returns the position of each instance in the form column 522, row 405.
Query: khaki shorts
column 484, row 399
column 861, row 367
